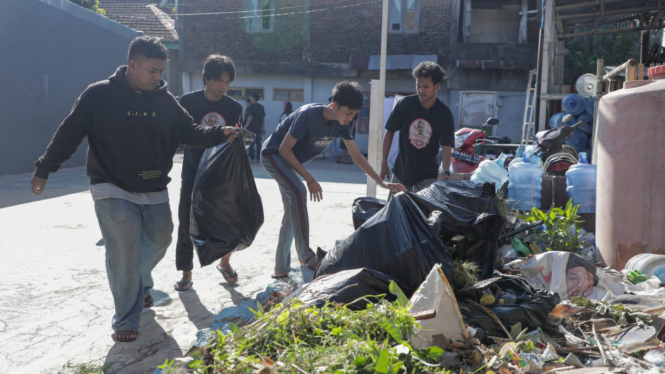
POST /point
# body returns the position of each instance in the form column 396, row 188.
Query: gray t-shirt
column 312, row 132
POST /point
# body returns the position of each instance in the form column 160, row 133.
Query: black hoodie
column 132, row 136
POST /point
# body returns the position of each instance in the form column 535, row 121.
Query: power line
column 270, row 10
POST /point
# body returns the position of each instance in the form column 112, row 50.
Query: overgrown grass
column 299, row 339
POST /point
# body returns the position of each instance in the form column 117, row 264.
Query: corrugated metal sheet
column 495, row 25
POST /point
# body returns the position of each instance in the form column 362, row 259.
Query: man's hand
column 315, row 191
column 393, row 187
column 231, row 133
column 385, row 171
column 37, row 184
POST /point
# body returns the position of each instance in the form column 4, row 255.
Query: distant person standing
column 133, row 126
column 424, row 123
column 209, row 107
column 288, row 109
column 248, row 102
column 256, row 123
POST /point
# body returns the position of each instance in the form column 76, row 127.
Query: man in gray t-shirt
column 298, row 139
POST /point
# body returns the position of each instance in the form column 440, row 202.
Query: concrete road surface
column 55, row 303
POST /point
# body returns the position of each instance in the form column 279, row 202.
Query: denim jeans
column 136, row 238
column 295, row 222
column 255, row 147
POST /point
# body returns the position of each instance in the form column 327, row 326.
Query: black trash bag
column 227, row 212
column 399, row 241
column 354, row 288
column 530, row 308
column 466, row 207
column 364, row 208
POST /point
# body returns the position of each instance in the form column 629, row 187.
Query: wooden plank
column 640, row 72
column 630, row 73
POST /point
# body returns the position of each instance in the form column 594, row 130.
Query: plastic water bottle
column 492, row 171
column 581, row 182
column 649, row 264
column 555, row 120
column 589, row 106
column 577, row 140
column 587, row 123
column 573, row 104
column 525, row 184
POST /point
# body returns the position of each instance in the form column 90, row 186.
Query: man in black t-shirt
column 256, row 123
column 424, row 123
column 209, row 107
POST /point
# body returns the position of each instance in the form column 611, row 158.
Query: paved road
column 55, row 304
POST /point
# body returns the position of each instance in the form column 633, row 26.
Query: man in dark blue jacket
column 134, row 126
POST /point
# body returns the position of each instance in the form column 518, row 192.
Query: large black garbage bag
column 530, row 308
column 364, row 208
column 354, row 288
column 466, row 207
column 227, row 212
column 399, row 241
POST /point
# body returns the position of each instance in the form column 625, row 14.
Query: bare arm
column 387, row 143
column 446, row 158
column 361, row 161
column 286, row 151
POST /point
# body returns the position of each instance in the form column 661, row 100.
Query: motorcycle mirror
column 492, row 121
column 567, row 118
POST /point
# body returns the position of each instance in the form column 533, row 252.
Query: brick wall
column 335, row 32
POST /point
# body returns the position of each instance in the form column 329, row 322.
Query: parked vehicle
column 465, row 160
column 556, row 156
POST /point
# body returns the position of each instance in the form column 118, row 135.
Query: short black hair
column 348, row 94
column 429, row 69
column 256, row 96
column 147, row 46
column 248, row 100
column 215, row 65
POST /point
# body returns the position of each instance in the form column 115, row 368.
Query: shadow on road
column 15, row 189
column 197, row 313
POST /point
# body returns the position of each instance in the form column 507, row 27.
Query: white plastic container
column 492, row 171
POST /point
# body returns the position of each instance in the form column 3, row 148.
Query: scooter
column 465, row 160
column 556, row 156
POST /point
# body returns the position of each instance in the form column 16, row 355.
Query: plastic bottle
column 587, row 123
column 578, row 140
column 555, row 120
column 649, row 264
column 581, row 182
column 573, row 104
column 630, row 210
column 492, row 171
column 525, row 184
column 586, row 84
column 589, row 106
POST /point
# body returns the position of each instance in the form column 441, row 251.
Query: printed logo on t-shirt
column 420, row 133
column 322, row 142
column 213, row 119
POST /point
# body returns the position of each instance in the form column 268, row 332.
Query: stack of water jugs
column 581, row 185
column 582, row 111
column 525, row 177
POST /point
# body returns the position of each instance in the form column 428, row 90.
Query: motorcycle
column 465, row 160
column 556, row 156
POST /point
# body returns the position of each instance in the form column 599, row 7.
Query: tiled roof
column 142, row 15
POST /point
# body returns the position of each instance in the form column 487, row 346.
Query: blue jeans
column 136, row 238
column 255, row 147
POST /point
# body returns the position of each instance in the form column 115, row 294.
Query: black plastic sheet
column 530, row 309
column 227, row 212
column 399, row 241
column 364, row 208
column 354, row 288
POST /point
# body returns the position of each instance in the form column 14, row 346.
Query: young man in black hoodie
column 134, row 126
column 208, row 106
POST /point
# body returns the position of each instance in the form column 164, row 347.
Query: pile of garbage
column 450, row 280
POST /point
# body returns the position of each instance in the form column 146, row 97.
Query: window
column 262, row 15
column 288, row 94
column 242, row 93
column 403, row 16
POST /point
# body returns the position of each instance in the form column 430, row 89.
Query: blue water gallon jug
column 524, row 184
column 492, row 171
column 649, row 264
column 589, row 106
column 555, row 120
column 587, row 123
column 573, row 104
column 581, row 182
column 577, row 140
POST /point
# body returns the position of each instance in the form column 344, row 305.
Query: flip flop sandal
column 183, row 285
column 229, row 276
column 280, row 276
column 124, row 336
column 312, row 263
column 148, row 302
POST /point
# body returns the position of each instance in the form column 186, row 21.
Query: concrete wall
column 50, row 51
